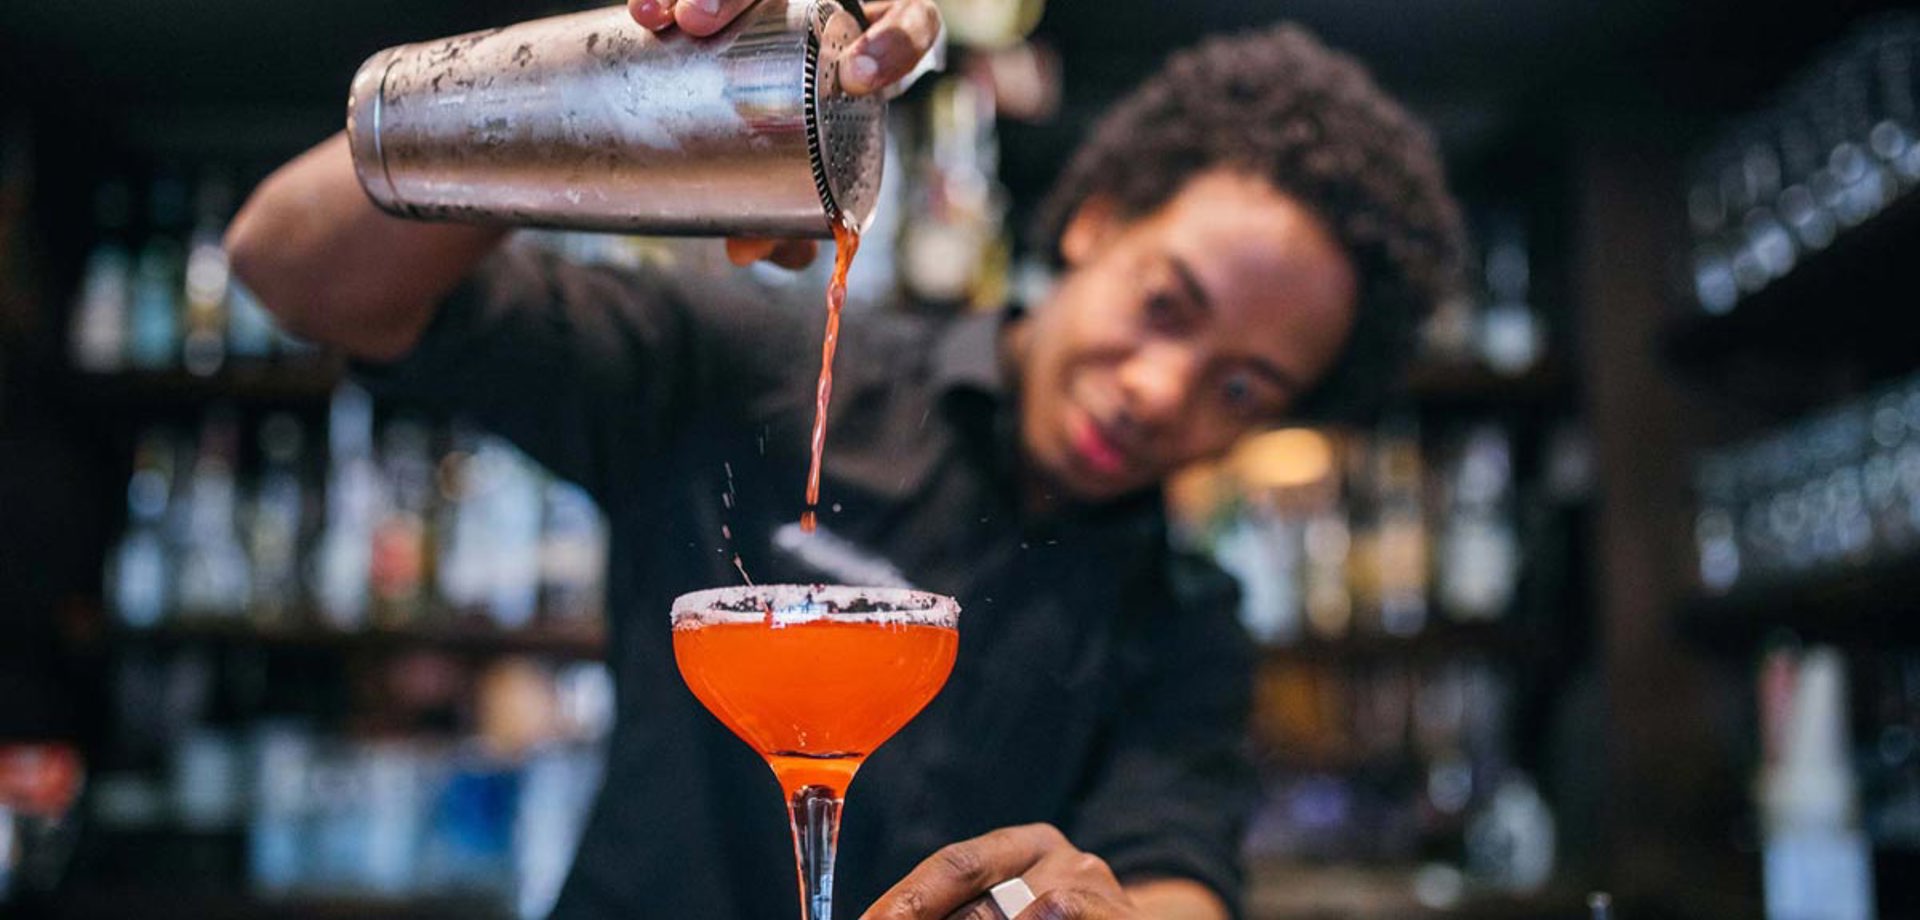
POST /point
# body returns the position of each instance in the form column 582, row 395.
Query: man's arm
column 336, row 270
column 582, row 367
column 1166, row 807
column 1169, row 801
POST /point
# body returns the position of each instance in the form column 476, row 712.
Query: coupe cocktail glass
column 815, row 678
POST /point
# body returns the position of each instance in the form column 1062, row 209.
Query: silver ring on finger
column 1011, row 897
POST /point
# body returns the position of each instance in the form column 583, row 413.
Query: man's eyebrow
column 1184, row 274
column 1276, row 374
column 1279, row 376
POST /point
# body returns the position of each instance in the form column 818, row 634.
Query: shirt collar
column 966, row 359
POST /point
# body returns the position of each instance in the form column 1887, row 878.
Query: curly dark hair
column 1279, row 104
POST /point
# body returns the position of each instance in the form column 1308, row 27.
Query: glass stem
column 815, row 813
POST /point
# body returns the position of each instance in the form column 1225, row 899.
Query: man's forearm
column 1176, row 899
column 335, row 269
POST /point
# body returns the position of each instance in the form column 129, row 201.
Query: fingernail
column 710, row 7
column 647, row 8
column 863, row 69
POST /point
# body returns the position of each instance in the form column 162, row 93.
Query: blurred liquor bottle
column 1329, row 602
column 1834, row 147
column 159, row 278
column 1893, row 137
column 573, row 556
column 1816, row 862
column 215, row 579
column 514, row 500
column 204, row 347
column 1492, row 321
column 1479, row 548
column 277, row 522
column 1865, row 182
column 342, row 554
column 1400, row 530
column 97, row 337
column 488, row 524
column 1510, row 338
column 461, row 575
column 400, row 567
column 954, row 249
column 1262, row 548
column 141, row 568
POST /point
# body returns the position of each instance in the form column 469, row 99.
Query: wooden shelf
column 1439, row 385
column 1438, row 642
column 1877, row 606
column 1848, row 301
column 469, row 640
column 302, row 383
column 173, row 903
column 1285, row 891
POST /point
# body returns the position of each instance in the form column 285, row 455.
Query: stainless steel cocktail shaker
column 589, row 121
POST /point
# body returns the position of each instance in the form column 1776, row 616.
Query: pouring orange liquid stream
column 846, row 240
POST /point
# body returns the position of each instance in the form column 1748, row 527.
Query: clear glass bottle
column 278, row 522
column 952, row 244
column 1510, row 338
column 573, row 556
column 514, row 505
column 1479, row 545
column 159, row 280
column 204, row 344
column 1401, row 538
column 400, row 571
column 140, row 573
column 215, row 580
column 99, row 332
column 1806, row 214
column 1714, row 285
column 342, row 555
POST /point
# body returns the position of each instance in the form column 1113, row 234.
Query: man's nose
column 1157, row 383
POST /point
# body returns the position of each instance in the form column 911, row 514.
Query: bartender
column 1246, row 239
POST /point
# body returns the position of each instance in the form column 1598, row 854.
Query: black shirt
column 1082, row 695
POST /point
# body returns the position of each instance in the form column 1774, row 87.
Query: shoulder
column 882, row 373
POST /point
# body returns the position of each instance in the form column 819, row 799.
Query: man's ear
column 1095, row 222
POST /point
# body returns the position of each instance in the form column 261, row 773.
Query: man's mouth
column 1097, row 449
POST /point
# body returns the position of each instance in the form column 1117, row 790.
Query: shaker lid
column 847, row 141
column 366, row 105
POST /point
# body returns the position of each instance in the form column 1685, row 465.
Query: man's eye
column 1165, row 311
column 1244, row 395
column 1237, row 391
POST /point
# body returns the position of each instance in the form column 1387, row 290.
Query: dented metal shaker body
column 589, row 121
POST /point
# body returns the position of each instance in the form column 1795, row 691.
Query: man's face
column 1173, row 334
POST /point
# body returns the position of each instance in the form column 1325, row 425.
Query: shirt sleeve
column 591, row 370
column 1171, row 797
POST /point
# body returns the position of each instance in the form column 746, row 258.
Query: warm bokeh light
column 1289, row 458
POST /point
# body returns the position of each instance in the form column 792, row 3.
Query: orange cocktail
column 815, row 678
